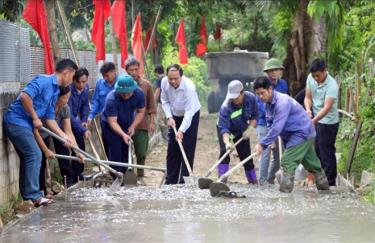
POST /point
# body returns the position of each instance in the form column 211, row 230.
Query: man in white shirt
column 181, row 107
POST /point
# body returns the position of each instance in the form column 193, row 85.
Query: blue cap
column 125, row 84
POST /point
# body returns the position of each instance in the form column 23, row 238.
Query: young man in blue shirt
column 287, row 119
column 36, row 101
column 79, row 108
column 102, row 88
column 237, row 114
column 274, row 70
column 123, row 111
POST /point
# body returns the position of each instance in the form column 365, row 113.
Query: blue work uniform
column 125, row 111
column 287, row 118
column 43, row 91
column 79, row 108
column 102, row 89
column 233, row 119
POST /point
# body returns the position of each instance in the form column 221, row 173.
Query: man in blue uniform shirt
column 102, row 88
column 79, row 108
column 237, row 114
column 36, row 101
column 287, row 119
column 123, row 111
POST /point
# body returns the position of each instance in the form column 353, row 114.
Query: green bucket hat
column 125, row 84
column 273, row 63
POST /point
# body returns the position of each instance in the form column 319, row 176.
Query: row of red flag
column 34, row 13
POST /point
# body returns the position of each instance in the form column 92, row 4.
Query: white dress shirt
column 181, row 102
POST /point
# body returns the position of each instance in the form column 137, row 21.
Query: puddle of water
column 187, row 214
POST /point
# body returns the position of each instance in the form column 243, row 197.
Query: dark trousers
column 325, row 149
column 174, row 155
column 243, row 150
column 117, row 148
column 71, row 169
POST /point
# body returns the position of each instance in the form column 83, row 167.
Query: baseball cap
column 234, row 89
column 125, row 84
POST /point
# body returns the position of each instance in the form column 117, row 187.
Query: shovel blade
column 190, row 180
column 118, row 181
column 204, row 183
column 217, row 187
column 130, row 178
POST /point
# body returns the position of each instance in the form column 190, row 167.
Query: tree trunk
column 305, row 43
column 51, row 18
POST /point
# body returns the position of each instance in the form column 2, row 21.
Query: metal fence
column 14, row 53
column 19, row 61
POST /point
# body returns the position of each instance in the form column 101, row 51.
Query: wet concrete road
column 186, row 214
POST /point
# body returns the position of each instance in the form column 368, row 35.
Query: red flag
column 137, row 44
column 201, row 47
column 181, row 41
column 147, row 39
column 102, row 11
column 217, row 34
column 119, row 26
column 35, row 14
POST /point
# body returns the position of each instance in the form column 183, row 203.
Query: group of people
column 307, row 132
column 128, row 108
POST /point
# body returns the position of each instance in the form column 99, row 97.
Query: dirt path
column 206, row 154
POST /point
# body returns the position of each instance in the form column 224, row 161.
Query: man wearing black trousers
column 321, row 105
column 181, row 107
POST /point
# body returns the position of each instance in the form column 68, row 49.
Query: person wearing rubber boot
column 322, row 94
column 147, row 127
column 181, row 106
column 103, row 87
column 267, row 169
column 123, row 111
column 35, row 102
column 287, row 119
column 238, row 114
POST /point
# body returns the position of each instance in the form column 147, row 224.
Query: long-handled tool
column 130, row 178
column 219, row 186
column 116, row 184
column 120, row 164
column 188, row 179
column 204, row 182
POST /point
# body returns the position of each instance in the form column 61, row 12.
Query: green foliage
column 10, row 9
column 196, row 70
column 7, row 210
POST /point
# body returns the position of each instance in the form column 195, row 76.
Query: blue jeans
column 30, row 160
column 267, row 173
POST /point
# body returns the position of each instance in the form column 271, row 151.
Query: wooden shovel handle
column 183, row 153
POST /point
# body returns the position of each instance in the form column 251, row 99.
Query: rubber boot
column 287, row 182
column 251, row 176
column 222, row 169
column 321, row 181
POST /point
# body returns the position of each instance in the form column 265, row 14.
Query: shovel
column 130, row 178
column 188, row 179
column 219, row 186
column 120, row 164
column 204, row 182
column 116, row 184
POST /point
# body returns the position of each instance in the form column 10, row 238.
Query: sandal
column 43, row 202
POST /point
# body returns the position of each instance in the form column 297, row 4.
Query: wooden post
column 347, row 99
column 52, row 28
column 132, row 12
column 67, row 30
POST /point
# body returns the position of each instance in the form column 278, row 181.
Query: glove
column 247, row 133
column 228, row 146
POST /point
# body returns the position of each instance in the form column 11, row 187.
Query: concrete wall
column 9, row 161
